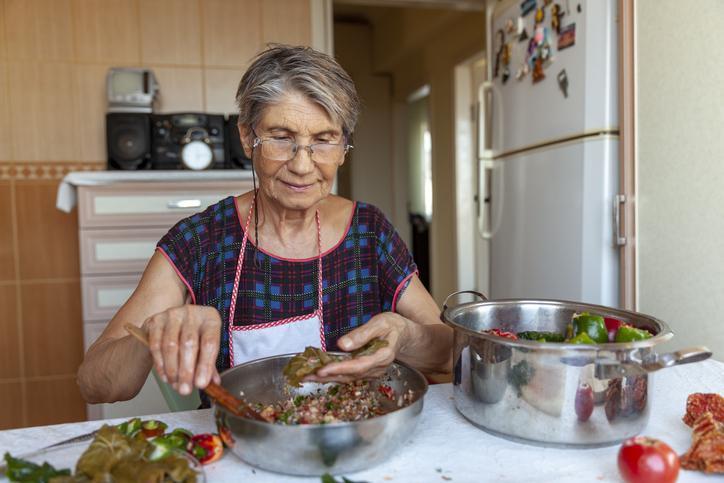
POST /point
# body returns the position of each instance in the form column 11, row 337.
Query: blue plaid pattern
column 360, row 276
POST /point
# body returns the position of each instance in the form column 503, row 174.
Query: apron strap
column 240, row 263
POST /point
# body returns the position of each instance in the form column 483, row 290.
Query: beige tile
column 89, row 82
column 39, row 29
column 54, row 402
column 11, row 402
column 52, row 327
column 9, row 337
column 286, row 22
column 7, row 252
column 220, row 89
column 42, row 111
column 3, row 41
column 231, row 31
column 181, row 88
column 47, row 237
column 6, row 145
column 171, row 32
column 106, row 31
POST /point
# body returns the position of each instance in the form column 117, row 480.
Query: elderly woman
column 285, row 266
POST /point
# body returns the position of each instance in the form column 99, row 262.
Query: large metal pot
column 554, row 394
column 314, row 449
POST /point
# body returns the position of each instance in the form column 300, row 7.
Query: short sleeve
column 395, row 263
column 183, row 247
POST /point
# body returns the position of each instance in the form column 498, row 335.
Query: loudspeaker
column 128, row 140
column 236, row 151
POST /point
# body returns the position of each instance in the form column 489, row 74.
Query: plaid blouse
column 363, row 275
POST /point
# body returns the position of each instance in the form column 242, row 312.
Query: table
column 445, row 447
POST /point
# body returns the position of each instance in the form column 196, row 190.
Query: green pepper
column 130, row 427
column 626, row 333
column 541, row 336
column 153, row 428
column 582, row 338
column 298, row 400
column 22, row 470
column 593, row 325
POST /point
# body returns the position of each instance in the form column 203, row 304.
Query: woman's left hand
column 388, row 326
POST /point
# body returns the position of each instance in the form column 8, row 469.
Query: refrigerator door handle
column 618, row 202
column 485, row 198
column 485, row 116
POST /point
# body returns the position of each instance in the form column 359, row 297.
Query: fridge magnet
column 540, row 15
column 499, row 53
column 547, row 2
column 506, row 54
column 556, row 15
column 579, row 9
column 509, row 26
column 567, row 37
column 506, row 74
column 563, row 82
column 540, row 35
column 526, row 7
column 538, row 74
column 545, row 52
column 523, row 36
column 522, row 71
column 520, row 27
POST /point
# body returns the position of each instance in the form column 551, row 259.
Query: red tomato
column 647, row 460
column 612, row 326
column 206, row 448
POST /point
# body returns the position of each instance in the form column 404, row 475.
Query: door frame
column 627, row 108
column 466, row 176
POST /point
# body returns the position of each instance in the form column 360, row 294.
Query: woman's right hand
column 184, row 343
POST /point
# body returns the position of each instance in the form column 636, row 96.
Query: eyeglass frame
column 258, row 141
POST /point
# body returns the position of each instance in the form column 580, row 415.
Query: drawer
column 104, row 295
column 91, row 332
column 117, row 251
column 150, row 204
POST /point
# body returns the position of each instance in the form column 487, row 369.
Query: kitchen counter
column 67, row 197
column 445, row 447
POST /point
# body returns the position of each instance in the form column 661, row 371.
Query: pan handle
column 683, row 356
column 610, row 368
column 478, row 294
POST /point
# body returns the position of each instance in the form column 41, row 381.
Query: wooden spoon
column 238, row 407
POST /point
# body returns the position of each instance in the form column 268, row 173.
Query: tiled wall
column 54, row 55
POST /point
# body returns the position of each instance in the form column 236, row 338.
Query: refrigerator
column 548, row 150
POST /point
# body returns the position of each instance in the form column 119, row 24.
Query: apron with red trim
column 293, row 334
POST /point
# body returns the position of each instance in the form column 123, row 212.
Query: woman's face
column 300, row 183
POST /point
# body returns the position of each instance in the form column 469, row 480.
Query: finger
column 216, row 377
column 169, row 346
column 363, row 334
column 359, row 365
column 154, row 327
column 208, row 351
column 188, row 354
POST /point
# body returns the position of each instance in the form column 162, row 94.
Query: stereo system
column 193, row 141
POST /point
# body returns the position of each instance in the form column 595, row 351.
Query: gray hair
column 282, row 69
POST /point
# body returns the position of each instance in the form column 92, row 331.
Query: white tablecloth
column 445, row 447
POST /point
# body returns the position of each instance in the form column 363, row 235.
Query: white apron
column 249, row 342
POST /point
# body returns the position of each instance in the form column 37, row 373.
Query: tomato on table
column 647, row 460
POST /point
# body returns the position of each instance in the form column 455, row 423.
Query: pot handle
column 478, row 294
column 683, row 356
column 609, row 369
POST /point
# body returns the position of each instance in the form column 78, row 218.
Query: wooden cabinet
column 120, row 225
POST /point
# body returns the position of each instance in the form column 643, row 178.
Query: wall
column 54, row 55
column 415, row 47
column 680, row 69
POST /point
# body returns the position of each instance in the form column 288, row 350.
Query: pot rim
column 307, row 427
column 663, row 335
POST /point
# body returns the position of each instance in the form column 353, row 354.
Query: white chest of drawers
column 120, row 224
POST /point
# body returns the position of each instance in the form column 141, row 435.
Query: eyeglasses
column 286, row 150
